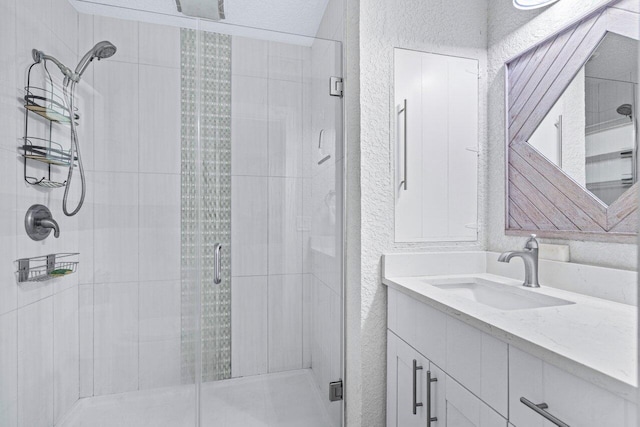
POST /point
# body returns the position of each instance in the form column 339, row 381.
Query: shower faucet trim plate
column 38, row 222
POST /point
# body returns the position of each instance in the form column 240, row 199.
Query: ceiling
column 296, row 17
column 615, row 58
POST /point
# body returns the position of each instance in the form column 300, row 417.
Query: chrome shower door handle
column 430, row 380
column 403, row 111
column 416, row 404
column 217, row 277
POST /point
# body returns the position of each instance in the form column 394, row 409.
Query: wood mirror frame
column 540, row 197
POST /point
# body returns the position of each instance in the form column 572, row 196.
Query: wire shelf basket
column 48, row 104
column 46, row 151
column 46, row 267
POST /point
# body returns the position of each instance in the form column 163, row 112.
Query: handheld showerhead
column 101, row 50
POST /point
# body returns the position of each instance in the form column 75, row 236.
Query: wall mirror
column 572, row 130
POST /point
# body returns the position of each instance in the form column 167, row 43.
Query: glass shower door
column 262, row 167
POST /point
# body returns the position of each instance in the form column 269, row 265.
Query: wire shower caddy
column 48, row 104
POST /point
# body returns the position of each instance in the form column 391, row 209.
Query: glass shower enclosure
column 209, row 281
column 261, row 221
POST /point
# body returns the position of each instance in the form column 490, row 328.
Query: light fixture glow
column 532, row 4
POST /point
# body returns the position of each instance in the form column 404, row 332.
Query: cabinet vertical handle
column 540, row 409
column 416, row 368
column 430, row 380
column 403, row 111
column 217, row 278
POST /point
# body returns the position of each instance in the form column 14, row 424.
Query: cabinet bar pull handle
column 430, row 380
column 217, row 279
column 416, row 368
column 540, row 409
column 403, row 111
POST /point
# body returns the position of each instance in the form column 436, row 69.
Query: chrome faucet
column 530, row 257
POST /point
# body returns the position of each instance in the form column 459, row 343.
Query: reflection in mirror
column 590, row 133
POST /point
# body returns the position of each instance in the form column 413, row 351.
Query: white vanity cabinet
column 447, row 404
column 481, row 379
column 467, row 355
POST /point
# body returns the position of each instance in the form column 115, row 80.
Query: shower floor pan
column 282, row 399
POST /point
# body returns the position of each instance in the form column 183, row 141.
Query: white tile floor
column 283, row 399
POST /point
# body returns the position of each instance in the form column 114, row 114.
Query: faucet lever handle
column 532, row 243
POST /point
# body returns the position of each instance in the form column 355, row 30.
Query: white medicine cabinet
column 435, row 147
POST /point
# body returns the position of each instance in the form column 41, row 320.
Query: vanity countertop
column 594, row 339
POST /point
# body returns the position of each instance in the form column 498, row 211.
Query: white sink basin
column 497, row 295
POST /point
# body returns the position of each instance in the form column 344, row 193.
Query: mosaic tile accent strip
column 215, row 206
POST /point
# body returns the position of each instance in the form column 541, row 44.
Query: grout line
column 268, row 204
column 53, row 361
column 138, row 201
column 93, row 230
column 15, row 243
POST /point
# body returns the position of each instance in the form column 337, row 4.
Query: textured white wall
column 455, row 27
column 511, row 31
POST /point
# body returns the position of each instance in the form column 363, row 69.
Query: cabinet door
column 460, row 408
column 406, row 373
column 436, row 150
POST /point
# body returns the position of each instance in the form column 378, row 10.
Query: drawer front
column 572, row 400
column 478, row 361
column 418, row 324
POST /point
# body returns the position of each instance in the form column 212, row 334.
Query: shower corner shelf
column 46, row 267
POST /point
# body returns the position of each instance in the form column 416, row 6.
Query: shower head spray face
column 625, row 110
column 102, row 50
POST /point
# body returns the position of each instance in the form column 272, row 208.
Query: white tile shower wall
column 9, row 369
column 85, row 334
column 115, row 337
column 249, row 331
column 38, row 322
column 267, row 207
column 129, row 335
column 65, row 351
column 35, row 364
column 285, row 322
column 249, row 124
column 159, row 334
